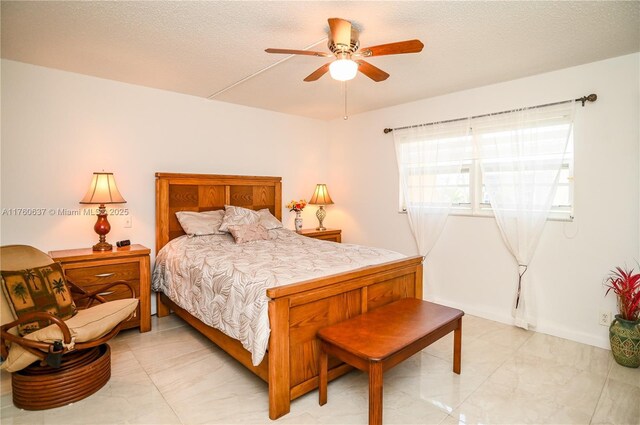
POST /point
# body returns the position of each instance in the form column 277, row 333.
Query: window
column 470, row 193
column 433, row 170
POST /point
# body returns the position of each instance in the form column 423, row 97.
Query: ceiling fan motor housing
column 338, row 48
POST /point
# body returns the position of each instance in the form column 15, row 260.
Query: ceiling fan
column 344, row 44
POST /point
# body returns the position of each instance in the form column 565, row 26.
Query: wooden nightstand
column 333, row 235
column 88, row 269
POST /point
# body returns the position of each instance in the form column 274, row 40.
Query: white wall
column 59, row 127
column 470, row 266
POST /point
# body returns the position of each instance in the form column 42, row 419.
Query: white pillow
column 200, row 223
column 234, row 216
column 268, row 220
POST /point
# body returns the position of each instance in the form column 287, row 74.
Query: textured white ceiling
column 200, row 48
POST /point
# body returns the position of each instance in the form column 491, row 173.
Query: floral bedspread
column 224, row 284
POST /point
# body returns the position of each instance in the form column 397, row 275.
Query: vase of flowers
column 624, row 332
column 297, row 206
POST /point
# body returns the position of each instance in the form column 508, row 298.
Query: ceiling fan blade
column 298, row 52
column 375, row 73
column 318, row 73
column 340, row 32
column 408, row 46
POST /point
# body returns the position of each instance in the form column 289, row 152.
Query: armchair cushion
column 41, row 289
column 86, row 325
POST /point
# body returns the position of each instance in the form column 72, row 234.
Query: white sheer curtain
column 521, row 155
column 430, row 159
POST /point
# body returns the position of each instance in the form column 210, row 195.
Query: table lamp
column 102, row 190
column 321, row 197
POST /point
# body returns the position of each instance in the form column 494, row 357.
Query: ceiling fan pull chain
column 344, row 88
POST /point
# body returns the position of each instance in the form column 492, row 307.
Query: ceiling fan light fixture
column 343, row 42
column 343, row 69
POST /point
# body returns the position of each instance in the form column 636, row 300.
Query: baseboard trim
column 542, row 327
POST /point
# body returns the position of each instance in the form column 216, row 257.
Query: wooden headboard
column 206, row 192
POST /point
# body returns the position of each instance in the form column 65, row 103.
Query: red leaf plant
column 626, row 285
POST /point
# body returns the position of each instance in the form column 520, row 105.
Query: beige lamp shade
column 321, row 196
column 103, row 190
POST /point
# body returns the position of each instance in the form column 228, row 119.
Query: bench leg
column 324, row 365
column 375, row 393
column 457, row 347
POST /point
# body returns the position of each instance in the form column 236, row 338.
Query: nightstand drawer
column 333, row 235
column 93, row 277
column 332, row 238
column 89, row 277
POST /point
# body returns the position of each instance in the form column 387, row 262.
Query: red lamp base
column 102, row 227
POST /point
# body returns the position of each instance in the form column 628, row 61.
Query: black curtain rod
column 584, row 99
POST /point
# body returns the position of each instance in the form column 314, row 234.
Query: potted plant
column 624, row 332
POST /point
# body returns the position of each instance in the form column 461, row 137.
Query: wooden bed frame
column 296, row 311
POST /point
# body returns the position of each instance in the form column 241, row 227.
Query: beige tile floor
column 172, row 375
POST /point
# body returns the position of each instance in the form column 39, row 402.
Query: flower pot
column 624, row 336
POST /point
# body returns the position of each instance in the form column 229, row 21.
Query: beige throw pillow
column 201, row 223
column 249, row 232
column 234, row 216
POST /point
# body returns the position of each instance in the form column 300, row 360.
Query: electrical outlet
column 604, row 318
column 127, row 222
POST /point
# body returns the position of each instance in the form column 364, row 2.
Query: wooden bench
column 378, row 340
